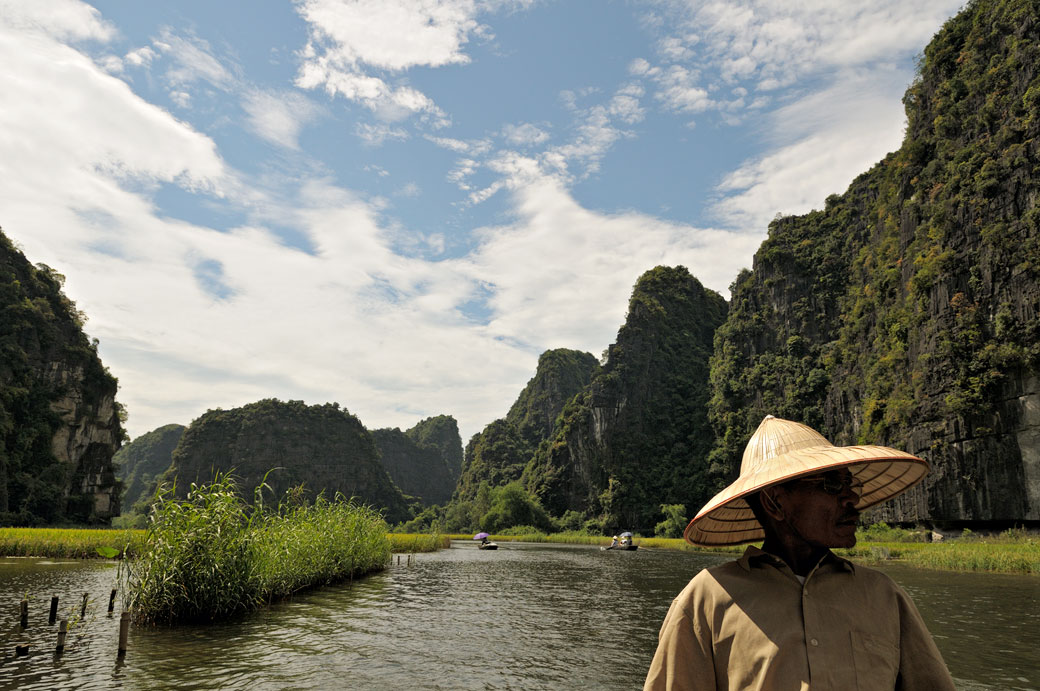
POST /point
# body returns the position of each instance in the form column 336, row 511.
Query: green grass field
column 1000, row 555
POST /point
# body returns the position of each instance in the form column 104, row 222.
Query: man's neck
column 802, row 558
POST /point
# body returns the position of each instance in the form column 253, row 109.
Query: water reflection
column 524, row 617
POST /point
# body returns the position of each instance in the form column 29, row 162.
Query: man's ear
column 770, row 505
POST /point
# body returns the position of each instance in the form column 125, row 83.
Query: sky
column 398, row 205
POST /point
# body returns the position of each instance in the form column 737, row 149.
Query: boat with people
column 485, row 541
column 622, row 543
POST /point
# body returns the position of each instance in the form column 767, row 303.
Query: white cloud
column 524, row 134
column 278, row 117
column 821, row 142
column 558, row 254
column 66, row 20
column 350, row 38
column 375, row 135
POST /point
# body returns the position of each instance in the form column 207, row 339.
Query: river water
column 528, row 616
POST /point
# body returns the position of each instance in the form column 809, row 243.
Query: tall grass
column 212, row 556
column 68, row 543
column 418, row 542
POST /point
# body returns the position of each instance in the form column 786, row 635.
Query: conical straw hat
column 782, row 450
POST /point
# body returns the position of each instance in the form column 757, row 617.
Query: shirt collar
column 754, row 554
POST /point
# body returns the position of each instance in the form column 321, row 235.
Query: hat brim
column 727, row 519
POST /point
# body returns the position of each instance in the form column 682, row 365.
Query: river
column 528, row 616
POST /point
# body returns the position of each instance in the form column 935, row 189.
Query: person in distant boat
column 483, row 540
column 793, row 615
column 613, row 543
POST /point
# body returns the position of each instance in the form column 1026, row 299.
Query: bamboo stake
column 24, row 618
column 63, row 630
column 112, row 601
column 83, row 611
column 124, row 632
column 54, row 611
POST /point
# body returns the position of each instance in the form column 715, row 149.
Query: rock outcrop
column 322, row 447
column 637, row 436
column 59, row 420
column 140, row 463
column 423, row 461
column 907, row 312
column 497, row 455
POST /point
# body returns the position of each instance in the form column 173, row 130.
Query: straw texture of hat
column 782, row 450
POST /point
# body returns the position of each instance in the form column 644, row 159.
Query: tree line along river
column 528, row 616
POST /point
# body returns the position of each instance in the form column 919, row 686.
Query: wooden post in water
column 54, row 611
column 112, row 601
column 21, row 650
column 124, row 632
column 63, row 630
column 24, row 617
column 83, row 611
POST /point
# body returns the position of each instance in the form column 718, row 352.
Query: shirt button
column 814, row 642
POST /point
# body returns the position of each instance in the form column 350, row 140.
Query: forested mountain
column 423, row 461
column 497, row 455
column 59, row 420
column 907, row 311
column 638, row 434
column 442, row 433
column 322, row 447
column 140, row 463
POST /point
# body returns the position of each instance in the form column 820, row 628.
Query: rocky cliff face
column 497, row 455
column 59, row 421
column 421, row 461
column 322, row 447
column 638, row 434
column 442, row 433
column 906, row 312
column 140, row 463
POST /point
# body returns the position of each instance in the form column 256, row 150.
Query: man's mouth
column 852, row 519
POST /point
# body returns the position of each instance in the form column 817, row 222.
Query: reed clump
column 418, row 542
column 68, row 543
column 213, row 556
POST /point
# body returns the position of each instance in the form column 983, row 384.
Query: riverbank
column 84, row 543
column 1004, row 554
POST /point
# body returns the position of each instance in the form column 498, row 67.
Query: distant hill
column 423, row 461
column 907, row 311
column 59, row 420
column 498, row 454
column 442, row 433
column 140, row 463
column 638, row 435
column 323, row 447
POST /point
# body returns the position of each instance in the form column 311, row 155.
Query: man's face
column 821, row 509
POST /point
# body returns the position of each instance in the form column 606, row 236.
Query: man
column 793, row 615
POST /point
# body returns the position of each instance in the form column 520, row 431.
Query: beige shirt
column 749, row 624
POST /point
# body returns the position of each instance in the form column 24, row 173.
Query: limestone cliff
column 498, row 454
column 322, row 447
column 59, row 420
column 140, row 463
column 907, row 311
column 638, row 434
column 423, row 460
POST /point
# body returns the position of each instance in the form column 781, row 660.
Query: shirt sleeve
column 921, row 667
column 684, row 659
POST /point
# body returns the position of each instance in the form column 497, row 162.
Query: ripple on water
column 524, row 617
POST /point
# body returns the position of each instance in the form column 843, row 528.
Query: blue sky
column 399, row 204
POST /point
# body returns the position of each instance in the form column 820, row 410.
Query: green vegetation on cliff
column 906, row 312
column 321, row 447
column 51, row 380
column 140, row 463
column 497, row 455
column 423, row 460
column 638, row 434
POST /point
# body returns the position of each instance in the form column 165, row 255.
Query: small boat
column 487, row 545
column 621, row 548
